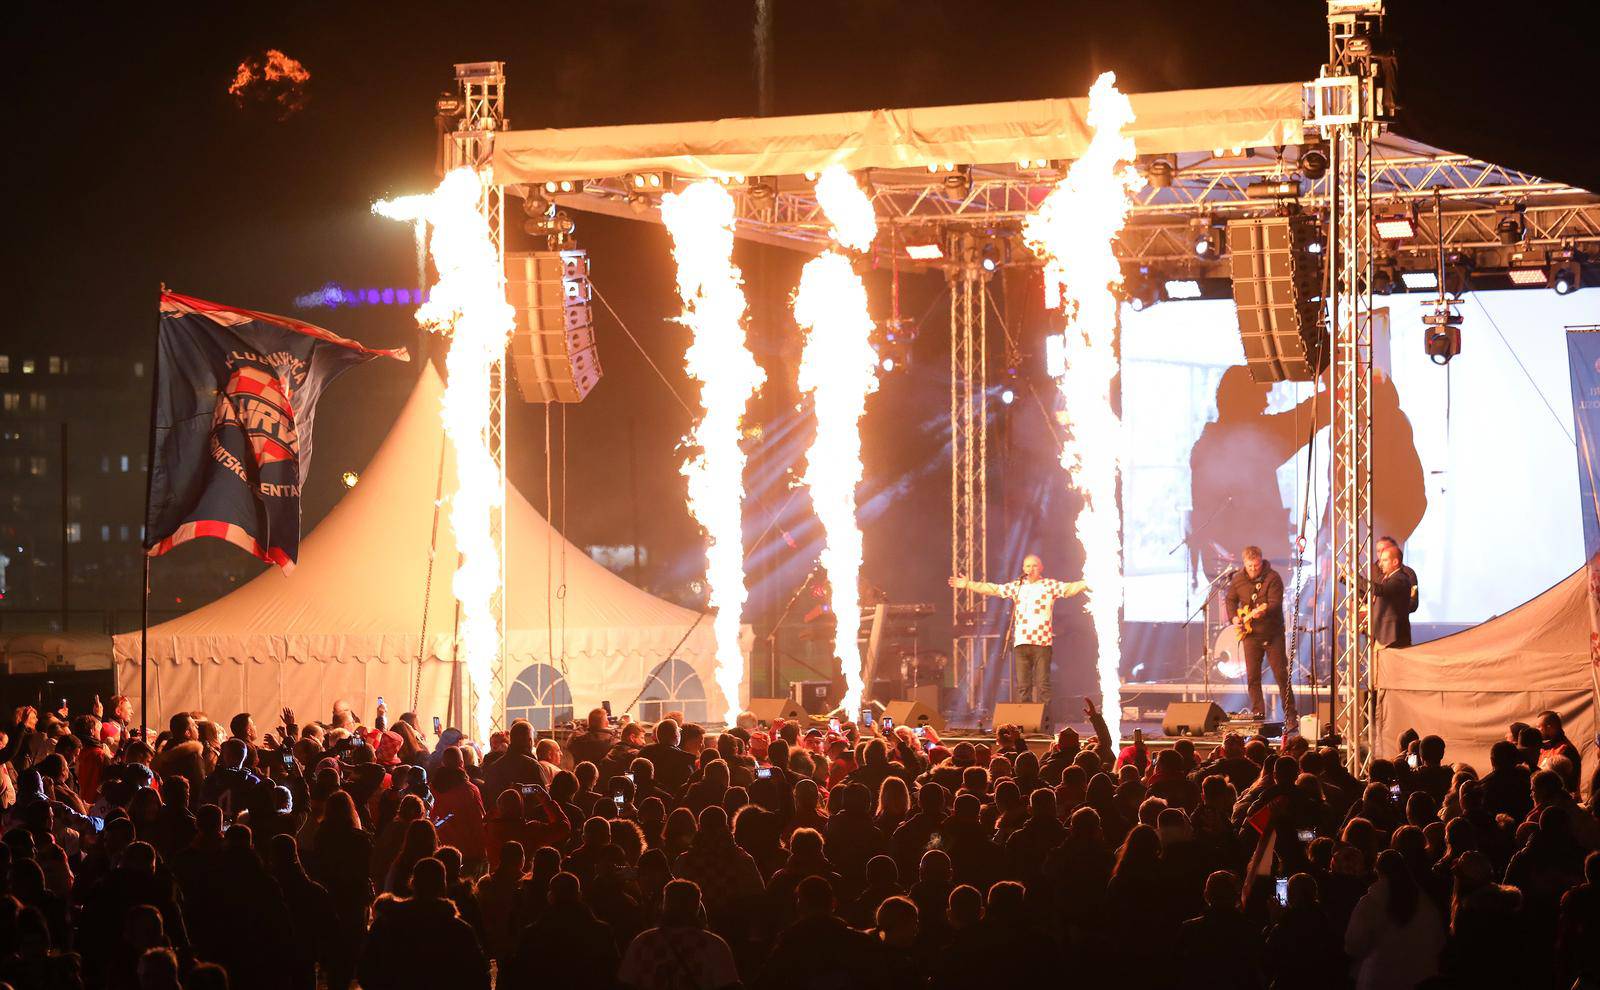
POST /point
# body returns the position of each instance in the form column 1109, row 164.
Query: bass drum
column 1227, row 654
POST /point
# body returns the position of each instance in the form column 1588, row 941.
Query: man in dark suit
column 1393, row 599
column 1255, row 597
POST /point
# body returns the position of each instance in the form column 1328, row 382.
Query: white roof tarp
column 976, row 133
column 348, row 622
column 1471, row 686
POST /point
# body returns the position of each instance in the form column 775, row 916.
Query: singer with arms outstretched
column 1032, row 635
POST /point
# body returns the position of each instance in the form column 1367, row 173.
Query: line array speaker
column 553, row 353
column 1277, row 289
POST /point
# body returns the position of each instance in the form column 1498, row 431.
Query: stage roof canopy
column 987, row 165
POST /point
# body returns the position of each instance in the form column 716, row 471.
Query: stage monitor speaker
column 769, row 710
column 552, row 349
column 912, row 713
column 812, row 696
column 1029, row 715
column 1277, row 290
column 1192, row 718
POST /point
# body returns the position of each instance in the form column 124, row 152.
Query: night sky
column 130, row 165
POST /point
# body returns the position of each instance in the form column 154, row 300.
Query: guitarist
column 1255, row 599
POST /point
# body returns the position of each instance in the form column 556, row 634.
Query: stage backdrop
column 1474, row 468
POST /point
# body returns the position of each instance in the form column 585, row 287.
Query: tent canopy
column 348, row 623
column 1166, row 122
column 1470, row 686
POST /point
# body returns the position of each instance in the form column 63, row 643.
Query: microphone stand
column 772, row 637
column 1205, row 603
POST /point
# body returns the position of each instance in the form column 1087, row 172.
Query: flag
column 235, row 395
column 1583, row 362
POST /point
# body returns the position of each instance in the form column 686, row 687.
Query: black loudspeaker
column 552, row 349
column 1029, row 715
column 812, row 696
column 1277, row 289
column 1192, row 718
column 770, row 710
column 913, row 713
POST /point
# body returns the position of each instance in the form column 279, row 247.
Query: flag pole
column 144, row 536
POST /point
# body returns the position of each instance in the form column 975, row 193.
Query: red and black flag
column 236, row 392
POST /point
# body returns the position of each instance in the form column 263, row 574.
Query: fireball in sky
column 271, row 80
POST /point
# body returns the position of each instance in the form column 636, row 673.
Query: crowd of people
column 791, row 855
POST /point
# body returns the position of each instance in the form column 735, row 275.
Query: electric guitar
column 1245, row 618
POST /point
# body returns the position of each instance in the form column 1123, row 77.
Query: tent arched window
column 673, row 686
column 541, row 695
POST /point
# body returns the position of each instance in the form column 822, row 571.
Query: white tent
column 348, row 622
column 1470, row 686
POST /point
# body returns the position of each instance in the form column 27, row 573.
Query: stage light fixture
column 562, row 187
column 1007, row 396
column 1208, row 238
column 1420, row 280
column 762, row 190
column 1458, row 270
column 350, row 479
column 958, row 181
column 649, row 182
column 1441, row 338
column 1183, row 288
column 1509, row 224
column 923, row 245
column 1275, row 189
column 1397, row 224
column 1314, row 161
column 1161, row 172
column 535, row 203
column 1141, row 290
column 1528, row 277
column 1567, row 277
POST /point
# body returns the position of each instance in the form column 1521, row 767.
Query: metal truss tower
column 969, row 461
column 1351, row 104
column 471, row 145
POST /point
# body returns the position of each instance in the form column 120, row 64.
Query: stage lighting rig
column 1567, row 274
column 1161, row 172
column 1397, row 224
column 1418, row 280
column 1528, row 270
column 1277, row 190
column 1510, row 225
column 1141, row 290
column 1441, row 338
column 535, row 203
column 957, row 181
column 1207, row 237
column 762, row 190
column 1314, row 161
column 1183, row 288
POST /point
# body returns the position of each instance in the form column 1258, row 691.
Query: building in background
column 74, row 449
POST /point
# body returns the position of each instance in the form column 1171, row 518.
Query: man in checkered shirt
column 1035, row 596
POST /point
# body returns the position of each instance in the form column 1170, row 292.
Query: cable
column 1542, row 397
column 561, row 592
column 427, row 584
column 651, row 361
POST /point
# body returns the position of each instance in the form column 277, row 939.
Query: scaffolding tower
column 969, row 463
column 1351, row 104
